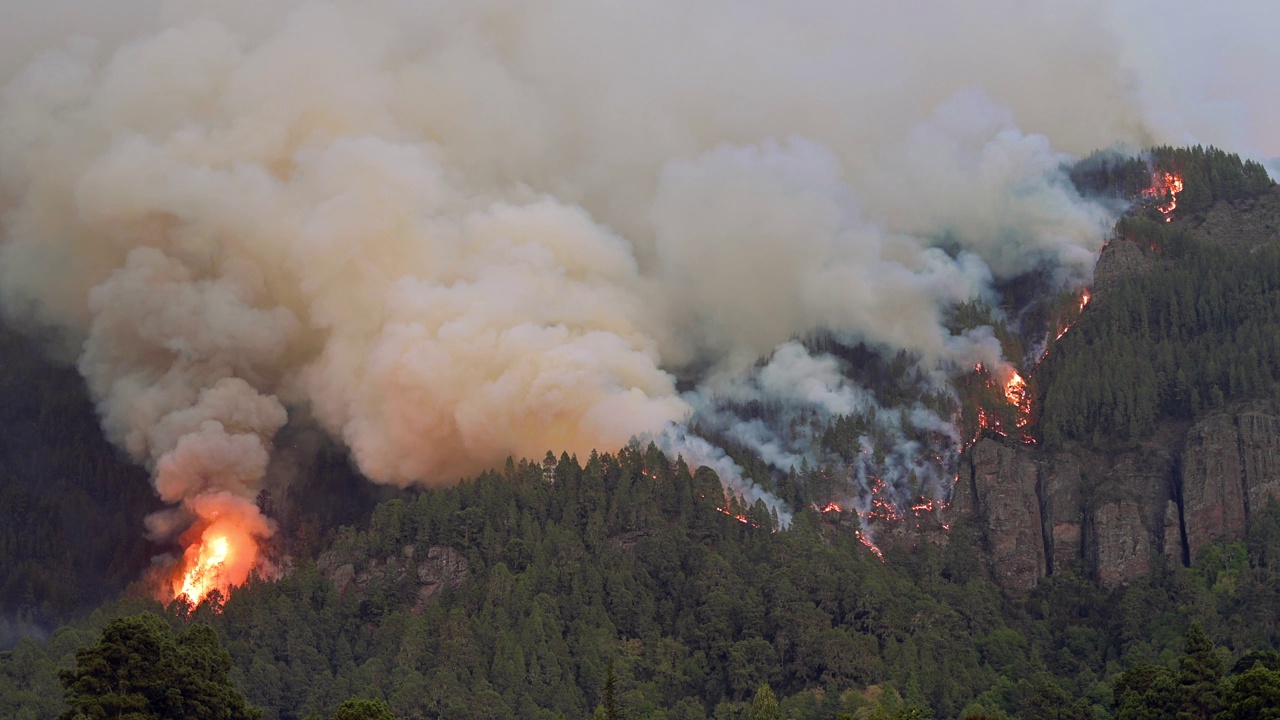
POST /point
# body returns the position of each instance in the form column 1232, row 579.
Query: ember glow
column 1015, row 391
column 870, row 545
column 1085, row 297
column 1164, row 189
column 220, row 557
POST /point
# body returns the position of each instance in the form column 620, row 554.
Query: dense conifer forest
column 625, row 584
column 622, row 570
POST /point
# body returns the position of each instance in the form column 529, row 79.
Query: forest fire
column 737, row 516
column 1164, row 189
column 1085, row 297
column 862, row 538
column 1014, row 391
column 219, row 557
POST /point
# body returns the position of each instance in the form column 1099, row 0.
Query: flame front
column 202, row 576
column 1015, row 391
column 220, row 559
column 1165, row 187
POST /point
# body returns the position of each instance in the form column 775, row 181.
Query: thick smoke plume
column 461, row 231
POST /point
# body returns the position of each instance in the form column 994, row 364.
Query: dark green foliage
column 363, row 710
column 140, row 671
column 1146, row 692
column 1183, row 338
column 1254, row 695
column 1197, row 689
column 618, row 590
column 71, row 508
column 1199, row 677
column 1110, row 173
column 1210, row 175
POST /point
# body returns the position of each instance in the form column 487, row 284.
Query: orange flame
column 870, row 545
column 1165, row 185
column 221, row 559
column 1015, row 391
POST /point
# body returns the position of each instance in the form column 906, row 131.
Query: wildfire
column 870, row 545
column 1016, row 394
column 220, row 557
column 1015, row 391
column 1085, row 297
column 737, row 516
column 1165, row 187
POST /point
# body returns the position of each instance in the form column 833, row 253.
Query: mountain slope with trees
column 626, row 585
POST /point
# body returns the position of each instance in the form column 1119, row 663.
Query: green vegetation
column 1210, row 175
column 60, row 554
column 1198, row 329
column 141, row 671
column 618, row 585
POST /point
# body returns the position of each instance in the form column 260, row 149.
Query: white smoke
column 676, row 441
column 780, row 409
column 461, row 231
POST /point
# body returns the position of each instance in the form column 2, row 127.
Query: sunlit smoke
column 460, row 232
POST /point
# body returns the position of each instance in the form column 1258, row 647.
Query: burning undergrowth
column 442, row 239
column 853, row 431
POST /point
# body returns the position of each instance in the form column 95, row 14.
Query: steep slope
column 1160, row 432
column 70, row 507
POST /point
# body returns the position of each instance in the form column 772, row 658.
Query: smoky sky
column 461, row 230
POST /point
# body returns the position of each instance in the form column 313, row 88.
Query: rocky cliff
column 426, row 573
column 1116, row 516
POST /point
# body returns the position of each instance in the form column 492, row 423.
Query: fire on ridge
column 1164, row 190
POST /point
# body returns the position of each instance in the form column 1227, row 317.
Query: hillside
column 1062, row 580
column 70, row 506
column 517, row 594
column 1158, row 425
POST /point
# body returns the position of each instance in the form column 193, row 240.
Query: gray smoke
column 454, row 232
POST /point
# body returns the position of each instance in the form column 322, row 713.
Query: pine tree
column 140, row 671
column 1200, row 677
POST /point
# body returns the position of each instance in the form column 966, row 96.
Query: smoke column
column 460, row 231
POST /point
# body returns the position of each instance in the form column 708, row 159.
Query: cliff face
column 1231, row 467
column 1119, row 516
column 1001, row 493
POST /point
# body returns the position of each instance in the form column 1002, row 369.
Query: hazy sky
column 1207, row 71
column 1202, row 72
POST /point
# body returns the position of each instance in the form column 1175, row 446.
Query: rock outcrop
column 1000, row 492
column 439, row 568
column 1118, row 259
column 1231, row 468
column 1119, row 516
